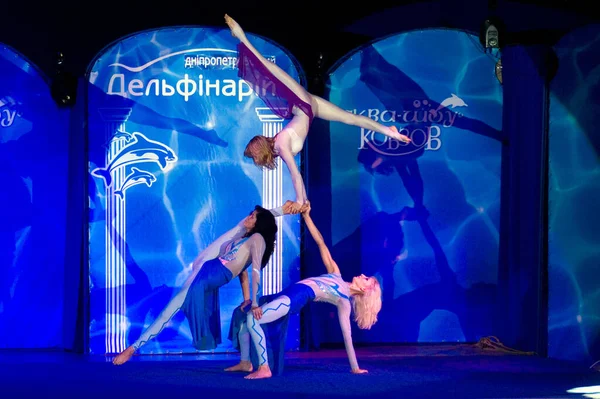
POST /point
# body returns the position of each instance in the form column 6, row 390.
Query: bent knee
column 250, row 318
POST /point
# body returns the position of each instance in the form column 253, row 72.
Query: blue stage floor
column 443, row 371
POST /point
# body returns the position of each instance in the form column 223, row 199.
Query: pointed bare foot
column 124, row 356
column 244, row 365
column 398, row 136
column 262, row 372
column 236, row 29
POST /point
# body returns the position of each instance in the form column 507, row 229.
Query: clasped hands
column 293, row 208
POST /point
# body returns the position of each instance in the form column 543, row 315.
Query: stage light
column 316, row 81
column 592, row 391
column 64, row 89
column 491, row 34
column 64, row 85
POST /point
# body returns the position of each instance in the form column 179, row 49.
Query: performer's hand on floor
column 359, row 371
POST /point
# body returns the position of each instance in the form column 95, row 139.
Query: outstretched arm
column 245, row 284
column 214, row 249
column 344, row 319
column 279, row 211
column 257, row 250
column 330, row 264
column 297, row 180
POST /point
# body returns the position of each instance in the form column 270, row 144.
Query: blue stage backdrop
column 33, row 150
column 175, row 94
column 422, row 217
column 574, row 189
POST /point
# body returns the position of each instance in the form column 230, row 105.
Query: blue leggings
column 167, row 313
column 290, row 300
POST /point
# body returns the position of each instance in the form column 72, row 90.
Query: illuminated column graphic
column 115, row 267
column 272, row 278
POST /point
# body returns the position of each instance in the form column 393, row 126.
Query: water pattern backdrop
column 168, row 122
column 423, row 216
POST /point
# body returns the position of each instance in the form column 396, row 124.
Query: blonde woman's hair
column 367, row 306
column 261, row 150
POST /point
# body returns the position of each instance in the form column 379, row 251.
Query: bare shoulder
column 282, row 139
column 283, row 146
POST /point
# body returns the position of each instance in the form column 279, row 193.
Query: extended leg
column 161, row 321
column 244, row 338
column 331, row 112
column 272, row 311
column 279, row 73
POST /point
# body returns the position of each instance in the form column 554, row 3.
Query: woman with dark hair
column 251, row 242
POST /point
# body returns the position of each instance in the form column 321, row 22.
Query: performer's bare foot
column 124, row 356
column 398, row 136
column 236, row 29
column 263, row 372
column 244, row 365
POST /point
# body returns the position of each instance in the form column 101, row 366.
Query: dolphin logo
column 453, row 101
column 136, row 176
column 119, row 135
column 141, row 149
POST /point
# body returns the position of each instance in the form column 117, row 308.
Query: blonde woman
column 288, row 99
column 362, row 295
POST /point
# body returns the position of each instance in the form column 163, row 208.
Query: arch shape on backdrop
column 174, row 91
column 34, row 153
column 422, row 217
column 573, row 218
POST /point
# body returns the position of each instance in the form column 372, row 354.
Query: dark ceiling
column 81, row 29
